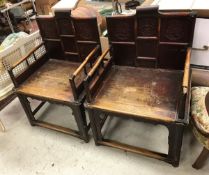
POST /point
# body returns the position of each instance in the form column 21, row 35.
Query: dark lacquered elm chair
column 150, row 78
column 57, row 75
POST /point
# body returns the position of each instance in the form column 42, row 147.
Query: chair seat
column 198, row 109
column 149, row 93
column 51, row 81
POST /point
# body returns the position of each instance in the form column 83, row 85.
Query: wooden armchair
column 56, row 76
column 150, row 81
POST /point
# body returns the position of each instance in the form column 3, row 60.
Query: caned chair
column 57, row 76
column 200, row 121
column 150, row 78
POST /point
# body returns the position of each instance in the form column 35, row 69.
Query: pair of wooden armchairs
column 149, row 81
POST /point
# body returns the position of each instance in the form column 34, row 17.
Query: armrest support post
column 186, row 77
column 79, row 69
column 91, row 84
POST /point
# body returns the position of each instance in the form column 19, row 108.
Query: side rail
column 22, row 69
column 77, row 78
column 96, row 75
column 184, row 112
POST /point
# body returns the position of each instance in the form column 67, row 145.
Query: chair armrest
column 186, row 78
column 184, row 110
column 27, row 56
column 89, row 59
column 31, row 67
column 97, row 64
column 97, row 74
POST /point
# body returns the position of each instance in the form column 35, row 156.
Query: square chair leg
column 78, row 112
column 201, row 159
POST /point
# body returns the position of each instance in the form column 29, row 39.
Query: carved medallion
column 147, row 27
column 174, row 30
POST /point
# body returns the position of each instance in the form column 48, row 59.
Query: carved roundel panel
column 123, row 32
column 84, row 31
column 174, row 30
column 147, row 27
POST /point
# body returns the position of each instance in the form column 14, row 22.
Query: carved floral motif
column 174, row 30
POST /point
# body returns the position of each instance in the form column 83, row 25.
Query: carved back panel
column 151, row 38
column 176, row 35
column 87, row 35
column 163, row 37
column 67, row 36
column 122, row 38
column 147, row 37
column 48, row 29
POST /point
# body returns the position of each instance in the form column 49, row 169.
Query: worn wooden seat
column 152, row 93
column 51, row 81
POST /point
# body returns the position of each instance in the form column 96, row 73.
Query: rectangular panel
column 69, row 44
column 146, row 63
column 177, row 29
column 147, row 48
column 72, row 57
column 85, row 49
column 124, row 54
column 147, row 26
column 121, row 29
column 48, row 28
column 54, row 49
column 172, row 56
column 64, row 23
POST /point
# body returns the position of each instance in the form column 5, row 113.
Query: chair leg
column 2, row 126
column 201, row 159
column 27, row 108
column 175, row 143
column 79, row 114
column 92, row 114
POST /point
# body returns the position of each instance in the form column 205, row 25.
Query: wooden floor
column 151, row 93
column 51, row 81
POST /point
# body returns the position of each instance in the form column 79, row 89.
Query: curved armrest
column 186, row 77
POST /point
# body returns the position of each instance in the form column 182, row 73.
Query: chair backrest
column 151, row 38
column 48, row 29
column 87, row 35
column 69, row 38
column 121, row 36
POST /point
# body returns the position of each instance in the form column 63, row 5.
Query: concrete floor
column 26, row 150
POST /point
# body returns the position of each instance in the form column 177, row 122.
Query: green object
column 106, row 12
column 12, row 38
